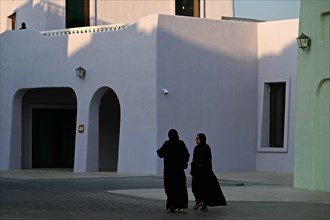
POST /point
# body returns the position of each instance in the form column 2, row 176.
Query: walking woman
column 205, row 185
column 176, row 157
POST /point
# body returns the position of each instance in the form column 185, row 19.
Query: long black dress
column 176, row 155
column 205, row 185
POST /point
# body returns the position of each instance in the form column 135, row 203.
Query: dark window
column 276, row 114
column 187, row 8
column 77, row 13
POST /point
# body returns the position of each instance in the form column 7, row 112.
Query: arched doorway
column 109, row 128
column 49, row 124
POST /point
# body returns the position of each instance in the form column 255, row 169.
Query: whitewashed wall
column 277, row 52
column 50, row 14
column 121, row 60
column 37, row 14
column 210, row 68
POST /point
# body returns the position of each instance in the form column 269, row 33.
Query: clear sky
column 268, row 10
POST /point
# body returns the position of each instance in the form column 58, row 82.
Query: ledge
column 85, row 30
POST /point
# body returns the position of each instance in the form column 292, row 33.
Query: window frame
column 263, row 115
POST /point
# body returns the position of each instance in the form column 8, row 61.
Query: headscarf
column 173, row 135
column 202, row 138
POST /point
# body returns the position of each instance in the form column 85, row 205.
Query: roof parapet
column 240, row 19
column 83, row 30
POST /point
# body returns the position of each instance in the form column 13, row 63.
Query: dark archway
column 49, row 126
column 109, row 128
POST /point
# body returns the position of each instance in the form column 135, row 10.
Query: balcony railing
column 83, row 30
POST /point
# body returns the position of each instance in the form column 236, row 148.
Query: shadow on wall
column 211, row 92
column 44, row 15
column 34, row 15
column 183, row 67
column 277, row 69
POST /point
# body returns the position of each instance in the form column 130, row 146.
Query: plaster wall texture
column 212, row 84
column 128, row 67
column 37, row 14
column 277, row 54
column 50, row 14
column 131, row 10
column 312, row 142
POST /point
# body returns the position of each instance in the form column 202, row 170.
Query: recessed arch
column 48, row 127
column 105, row 104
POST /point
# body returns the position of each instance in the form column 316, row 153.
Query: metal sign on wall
column 81, row 128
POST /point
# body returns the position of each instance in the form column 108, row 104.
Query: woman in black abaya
column 176, row 157
column 205, row 185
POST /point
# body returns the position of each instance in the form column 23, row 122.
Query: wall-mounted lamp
column 165, row 91
column 304, row 42
column 80, row 72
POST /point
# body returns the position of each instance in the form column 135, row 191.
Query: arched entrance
column 49, row 124
column 109, row 128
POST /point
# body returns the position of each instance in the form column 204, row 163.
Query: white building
column 233, row 80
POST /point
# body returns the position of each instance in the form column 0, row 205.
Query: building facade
column 312, row 136
column 233, row 80
column 60, row 14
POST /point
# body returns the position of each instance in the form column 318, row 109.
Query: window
column 187, row 8
column 77, row 13
column 11, row 22
column 273, row 115
column 276, row 114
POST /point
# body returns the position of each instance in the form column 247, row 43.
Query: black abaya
column 205, row 185
column 176, row 155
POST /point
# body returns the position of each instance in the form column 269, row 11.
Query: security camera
column 165, row 91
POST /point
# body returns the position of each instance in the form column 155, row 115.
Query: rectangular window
column 11, row 22
column 77, row 13
column 187, row 8
column 276, row 114
column 273, row 115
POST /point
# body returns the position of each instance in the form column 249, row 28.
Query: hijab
column 202, row 138
column 173, row 135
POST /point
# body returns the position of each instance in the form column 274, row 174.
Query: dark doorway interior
column 109, row 126
column 53, row 138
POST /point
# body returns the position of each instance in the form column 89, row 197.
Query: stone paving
column 49, row 194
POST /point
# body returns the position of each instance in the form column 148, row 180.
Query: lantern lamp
column 80, row 72
column 304, row 42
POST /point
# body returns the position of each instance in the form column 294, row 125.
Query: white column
column 86, row 147
column 11, row 131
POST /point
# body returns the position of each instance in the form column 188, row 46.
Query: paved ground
column 51, row 194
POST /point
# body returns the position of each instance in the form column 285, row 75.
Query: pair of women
column 205, row 185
